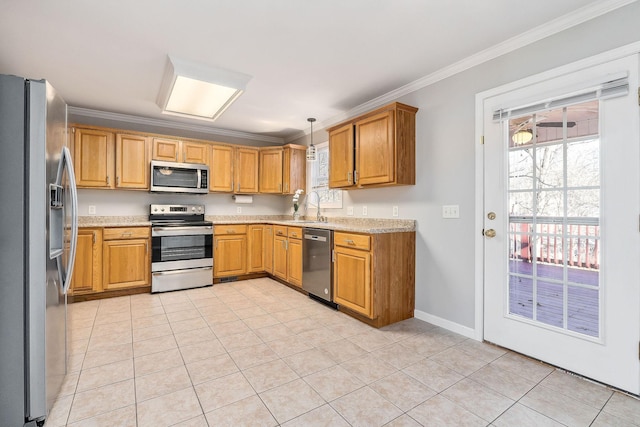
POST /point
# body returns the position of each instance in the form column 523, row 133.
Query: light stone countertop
column 357, row 225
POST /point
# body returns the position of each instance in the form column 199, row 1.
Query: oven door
column 183, row 247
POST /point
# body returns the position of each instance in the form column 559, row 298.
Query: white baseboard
column 465, row 331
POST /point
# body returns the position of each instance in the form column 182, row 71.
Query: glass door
column 561, row 238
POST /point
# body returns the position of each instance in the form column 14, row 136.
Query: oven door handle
column 165, row 273
column 202, row 229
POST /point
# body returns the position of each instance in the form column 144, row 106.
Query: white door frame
column 602, row 58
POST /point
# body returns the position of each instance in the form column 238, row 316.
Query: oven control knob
column 199, row 208
column 155, row 209
column 193, row 209
column 161, row 209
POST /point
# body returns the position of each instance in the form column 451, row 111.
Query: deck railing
column 546, row 240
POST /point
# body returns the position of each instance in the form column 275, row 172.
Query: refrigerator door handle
column 67, row 163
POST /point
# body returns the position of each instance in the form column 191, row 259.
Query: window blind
column 610, row 89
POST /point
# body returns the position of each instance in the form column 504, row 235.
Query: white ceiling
column 308, row 59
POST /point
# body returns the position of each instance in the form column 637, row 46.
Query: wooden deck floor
column 582, row 304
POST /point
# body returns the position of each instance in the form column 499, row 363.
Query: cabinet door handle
column 107, row 179
column 94, row 237
column 184, row 156
column 355, row 177
column 215, row 244
column 280, row 188
column 349, row 242
column 118, row 181
column 146, row 248
column 333, row 255
column 230, row 231
column 349, row 177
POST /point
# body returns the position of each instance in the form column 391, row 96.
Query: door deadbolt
column 491, row 215
column 490, row 233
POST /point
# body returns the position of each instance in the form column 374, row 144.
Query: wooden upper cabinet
column 166, row 150
column 193, row 152
column 384, row 145
column 93, row 158
column 375, row 149
column 132, row 161
column 245, row 170
column 221, row 168
column 294, row 168
column 341, row 156
column 271, row 170
column 175, row 150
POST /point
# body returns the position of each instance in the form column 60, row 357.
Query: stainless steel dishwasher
column 317, row 268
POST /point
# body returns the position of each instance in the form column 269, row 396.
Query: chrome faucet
column 318, row 217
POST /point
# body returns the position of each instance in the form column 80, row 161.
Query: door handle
column 490, row 233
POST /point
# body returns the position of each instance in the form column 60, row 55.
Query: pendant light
column 311, row 150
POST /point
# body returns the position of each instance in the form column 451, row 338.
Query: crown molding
column 146, row 121
column 555, row 26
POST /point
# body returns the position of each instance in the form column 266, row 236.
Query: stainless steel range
column 182, row 247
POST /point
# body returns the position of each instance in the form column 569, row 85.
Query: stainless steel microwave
column 170, row 177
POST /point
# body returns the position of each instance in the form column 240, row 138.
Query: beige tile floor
column 256, row 353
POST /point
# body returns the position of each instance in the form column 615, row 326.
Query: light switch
column 451, row 211
column 395, row 211
column 92, row 209
column 364, row 211
column 239, row 209
column 350, row 211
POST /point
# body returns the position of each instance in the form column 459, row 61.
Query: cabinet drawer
column 294, row 232
column 126, row 233
column 230, row 229
column 279, row 230
column 349, row 240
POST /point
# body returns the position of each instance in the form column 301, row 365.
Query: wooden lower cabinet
column 374, row 276
column 352, row 279
column 229, row 250
column 87, row 271
column 267, row 248
column 287, row 254
column 280, row 242
column 126, row 258
column 294, row 262
column 255, row 244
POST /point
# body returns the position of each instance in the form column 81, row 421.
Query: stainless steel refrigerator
column 38, row 236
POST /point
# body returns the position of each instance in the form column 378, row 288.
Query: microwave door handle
column 199, row 179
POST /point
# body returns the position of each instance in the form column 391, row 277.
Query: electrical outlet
column 395, row 211
column 364, row 211
column 92, row 209
column 350, row 211
column 238, row 209
column 451, row 211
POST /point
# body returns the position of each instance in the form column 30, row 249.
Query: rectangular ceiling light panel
column 197, row 91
